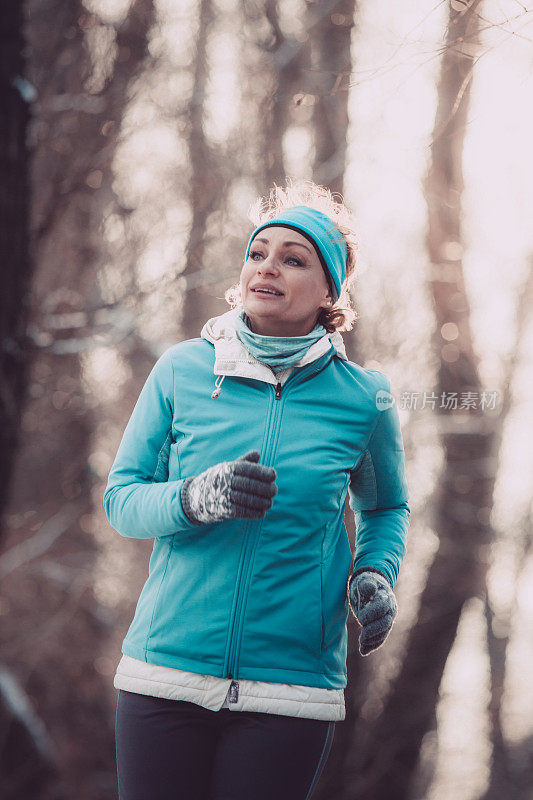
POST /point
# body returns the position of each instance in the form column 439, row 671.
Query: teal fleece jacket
column 259, row 599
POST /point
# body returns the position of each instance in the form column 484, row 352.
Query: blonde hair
column 341, row 315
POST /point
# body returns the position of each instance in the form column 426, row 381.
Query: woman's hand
column 241, row 488
column 374, row 605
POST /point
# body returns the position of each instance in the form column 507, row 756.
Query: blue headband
column 329, row 242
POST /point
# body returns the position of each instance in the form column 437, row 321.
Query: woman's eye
column 254, row 253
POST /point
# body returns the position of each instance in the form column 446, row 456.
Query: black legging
column 177, row 750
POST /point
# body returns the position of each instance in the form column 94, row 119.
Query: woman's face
column 286, row 261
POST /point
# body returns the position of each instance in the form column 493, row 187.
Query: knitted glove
column 374, row 606
column 241, row 488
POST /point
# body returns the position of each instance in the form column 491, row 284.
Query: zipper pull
column 218, row 384
column 278, row 391
column 234, row 692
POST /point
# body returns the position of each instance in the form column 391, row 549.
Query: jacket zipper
column 232, row 659
column 234, row 686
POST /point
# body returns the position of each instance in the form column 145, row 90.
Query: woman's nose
column 267, row 265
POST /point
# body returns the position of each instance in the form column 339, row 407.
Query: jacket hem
column 167, row 660
column 316, row 679
column 321, row 681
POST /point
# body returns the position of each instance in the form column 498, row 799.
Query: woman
column 237, row 460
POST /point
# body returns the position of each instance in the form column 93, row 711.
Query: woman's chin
column 270, row 307
column 266, row 300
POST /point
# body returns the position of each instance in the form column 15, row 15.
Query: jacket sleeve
column 139, row 500
column 378, row 495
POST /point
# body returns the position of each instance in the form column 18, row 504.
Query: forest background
column 134, row 135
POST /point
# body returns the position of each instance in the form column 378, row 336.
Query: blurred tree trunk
column 265, row 95
column 208, row 187
column 385, row 759
column 331, row 38
column 511, row 769
column 26, row 756
column 15, row 94
column 50, row 549
column 256, row 154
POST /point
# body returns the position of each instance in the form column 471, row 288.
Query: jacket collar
column 232, row 358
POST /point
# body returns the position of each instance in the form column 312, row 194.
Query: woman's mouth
column 268, row 294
